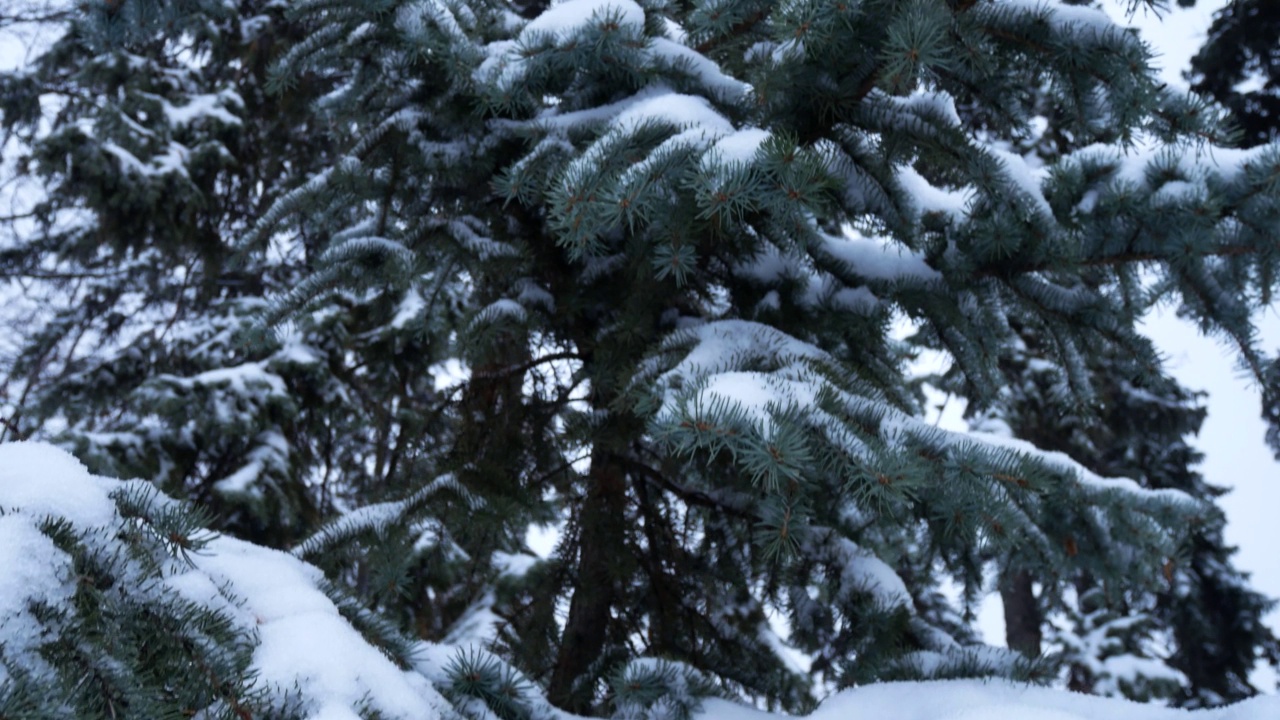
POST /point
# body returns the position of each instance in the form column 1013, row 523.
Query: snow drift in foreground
column 991, row 700
column 305, row 646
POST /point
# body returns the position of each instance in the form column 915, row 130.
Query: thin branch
column 738, row 29
column 1001, row 269
column 692, row 497
column 525, row 367
column 53, row 275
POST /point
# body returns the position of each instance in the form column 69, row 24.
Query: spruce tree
column 1239, row 67
column 147, row 167
column 1206, row 617
column 665, row 243
column 1142, row 645
column 157, row 136
column 714, row 213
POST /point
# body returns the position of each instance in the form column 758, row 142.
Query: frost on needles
column 383, row 285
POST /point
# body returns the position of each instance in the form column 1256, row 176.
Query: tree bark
column 1022, row 619
column 601, row 542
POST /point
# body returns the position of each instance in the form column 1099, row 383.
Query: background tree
column 1196, row 639
column 155, row 137
column 1239, row 66
column 1138, row 427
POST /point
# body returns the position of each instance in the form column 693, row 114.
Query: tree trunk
column 601, row 543
column 1022, row 619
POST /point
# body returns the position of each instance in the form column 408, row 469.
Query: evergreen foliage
column 131, row 608
column 385, row 284
column 1141, row 645
column 1238, row 66
column 144, row 351
column 115, row 641
column 1112, row 639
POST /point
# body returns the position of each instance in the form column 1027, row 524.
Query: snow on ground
column 990, row 700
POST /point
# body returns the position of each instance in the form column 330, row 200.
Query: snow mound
column 991, row 700
column 42, row 480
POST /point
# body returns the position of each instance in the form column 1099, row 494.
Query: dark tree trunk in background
column 601, row 543
column 1021, row 613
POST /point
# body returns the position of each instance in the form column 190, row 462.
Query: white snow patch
column 684, row 111
column 212, row 105
column 1000, row 700
column 239, row 378
column 1026, row 178
column 930, row 198
column 739, row 147
column 700, row 66
column 514, row 564
column 564, row 19
column 878, row 259
column 42, row 480
column 304, row 642
column 988, row 700
column 34, row 571
column 1196, row 163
